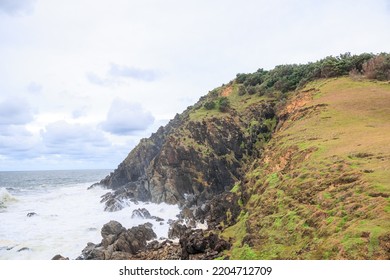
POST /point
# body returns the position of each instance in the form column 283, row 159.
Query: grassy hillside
column 321, row 188
column 287, row 163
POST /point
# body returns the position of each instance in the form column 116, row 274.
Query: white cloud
column 117, row 75
column 62, row 137
column 17, row 142
column 16, row 7
column 131, row 72
column 15, row 112
column 125, row 118
column 34, row 87
column 95, row 79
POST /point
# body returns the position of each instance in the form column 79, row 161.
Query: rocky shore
column 139, row 243
column 185, row 240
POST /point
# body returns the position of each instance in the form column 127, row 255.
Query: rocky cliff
column 200, row 153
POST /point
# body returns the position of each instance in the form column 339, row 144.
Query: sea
column 45, row 213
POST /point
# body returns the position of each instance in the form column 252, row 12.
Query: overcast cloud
column 16, row 7
column 131, row 72
column 81, row 81
column 15, row 112
column 125, row 118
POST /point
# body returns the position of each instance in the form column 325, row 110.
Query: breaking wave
column 6, row 198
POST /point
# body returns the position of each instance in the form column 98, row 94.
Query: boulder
column 112, row 228
column 59, row 257
column 119, row 243
column 202, row 245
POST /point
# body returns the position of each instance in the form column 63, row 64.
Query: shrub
column 241, row 90
column 251, row 90
column 223, row 104
column 209, row 105
column 240, row 78
column 378, row 67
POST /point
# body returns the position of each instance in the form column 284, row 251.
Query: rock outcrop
column 118, row 242
column 189, row 157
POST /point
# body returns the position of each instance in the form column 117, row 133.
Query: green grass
column 326, row 178
column 273, row 179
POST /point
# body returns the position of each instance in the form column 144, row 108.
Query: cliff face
column 200, row 153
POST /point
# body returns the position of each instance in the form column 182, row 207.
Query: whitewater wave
column 66, row 218
column 6, row 198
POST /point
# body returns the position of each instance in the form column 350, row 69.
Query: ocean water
column 67, row 214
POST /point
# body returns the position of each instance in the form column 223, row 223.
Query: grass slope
column 321, row 188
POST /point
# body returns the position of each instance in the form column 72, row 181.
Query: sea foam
column 65, row 219
column 6, row 198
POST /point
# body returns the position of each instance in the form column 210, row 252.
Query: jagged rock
column 31, row 214
column 161, row 251
column 145, row 214
column 94, row 186
column 176, row 230
column 141, row 213
column 117, row 200
column 118, row 243
column 197, row 244
column 157, row 219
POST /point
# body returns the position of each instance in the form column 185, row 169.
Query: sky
column 82, row 81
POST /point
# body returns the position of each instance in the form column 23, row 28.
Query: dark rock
column 158, row 219
column 117, row 200
column 112, row 228
column 141, row 213
column 198, row 244
column 94, row 186
column 59, row 257
column 31, row 214
column 176, row 230
column 24, row 249
column 118, row 242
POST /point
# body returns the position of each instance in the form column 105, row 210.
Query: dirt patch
column 227, row 91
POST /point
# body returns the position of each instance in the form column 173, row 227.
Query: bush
column 251, row 90
column 223, row 104
column 378, row 67
column 240, row 78
column 209, row 105
column 241, row 90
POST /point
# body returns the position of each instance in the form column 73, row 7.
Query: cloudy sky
column 81, row 81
